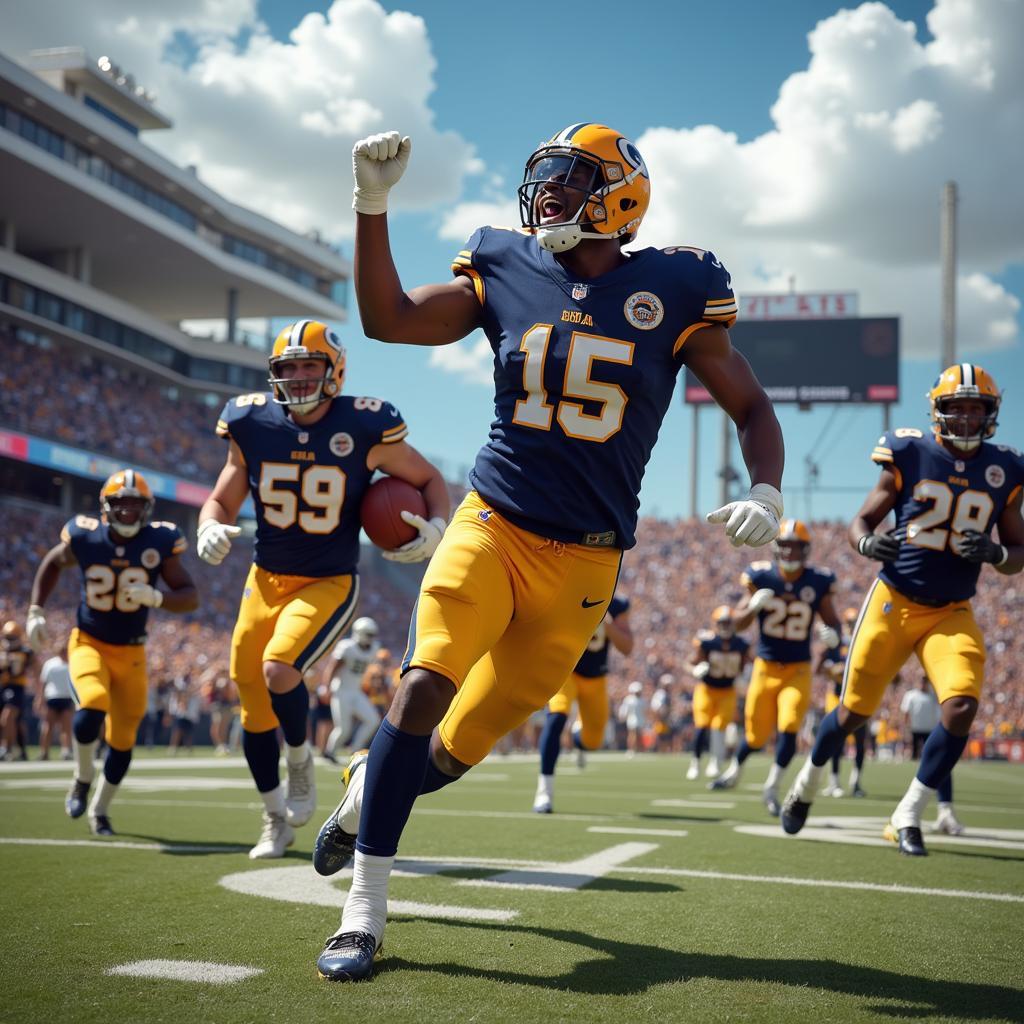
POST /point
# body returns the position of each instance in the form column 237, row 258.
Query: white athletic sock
column 353, row 805
column 296, row 755
column 273, row 800
column 774, row 775
column 833, row 779
column 717, row 744
column 807, row 781
column 85, row 760
column 910, row 809
column 545, row 785
column 854, row 777
column 366, row 906
column 105, row 792
column 733, row 770
column 945, row 808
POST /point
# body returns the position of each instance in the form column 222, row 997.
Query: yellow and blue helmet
column 593, row 183
column 126, row 501
column 723, row 622
column 964, row 381
column 307, row 339
column 792, row 546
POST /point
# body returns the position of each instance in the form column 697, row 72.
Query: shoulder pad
column 238, row 408
column 704, row 635
column 763, row 566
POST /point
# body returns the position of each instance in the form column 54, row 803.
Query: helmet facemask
column 791, row 555
column 724, row 628
column 947, row 423
column 126, row 513
column 311, row 390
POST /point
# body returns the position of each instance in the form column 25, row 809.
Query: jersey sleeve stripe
column 1013, row 494
column 723, row 302
column 222, row 429
column 881, row 455
column 180, row 545
column 681, row 340
column 474, row 276
column 393, row 438
column 394, row 429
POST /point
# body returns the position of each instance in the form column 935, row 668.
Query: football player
column 587, row 688
column 16, row 659
column 947, row 489
column 719, row 656
column 349, row 701
column 784, row 597
column 588, row 340
column 831, row 664
column 122, row 557
column 306, row 453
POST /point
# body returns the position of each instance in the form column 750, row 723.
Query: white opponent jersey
column 353, row 661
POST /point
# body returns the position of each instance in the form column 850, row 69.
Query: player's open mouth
column 551, row 209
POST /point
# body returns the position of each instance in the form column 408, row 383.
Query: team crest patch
column 580, row 292
column 119, row 551
column 644, row 310
column 807, row 595
column 995, row 476
column 150, row 558
column 341, row 445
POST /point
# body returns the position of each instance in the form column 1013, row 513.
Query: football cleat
column 334, row 846
column 908, row 840
column 770, row 799
column 99, row 825
column 947, row 824
column 542, row 804
column 693, row 772
column 725, row 781
column 78, row 796
column 349, row 957
column 794, row 815
column 300, row 802
column 713, row 770
column 832, row 790
column 858, row 792
column 277, row 835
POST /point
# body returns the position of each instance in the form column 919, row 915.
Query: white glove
column 700, row 670
column 754, row 520
column 213, row 540
column 35, row 627
column 142, row 593
column 423, row 546
column 378, row 161
column 828, row 636
column 760, row 598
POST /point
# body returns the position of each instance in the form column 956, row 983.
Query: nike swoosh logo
column 591, row 604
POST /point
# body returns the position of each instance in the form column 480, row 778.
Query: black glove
column 980, row 547
column 881, row 546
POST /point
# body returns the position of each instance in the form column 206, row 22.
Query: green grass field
column 644, row 897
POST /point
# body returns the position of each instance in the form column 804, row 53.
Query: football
column 381, row 508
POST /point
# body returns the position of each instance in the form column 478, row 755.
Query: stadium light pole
column 947, row 255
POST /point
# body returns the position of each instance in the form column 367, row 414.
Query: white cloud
column 844, row 193
column 471, row 359
column 270, row 123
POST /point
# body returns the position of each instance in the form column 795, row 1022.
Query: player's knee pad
column 86, row 724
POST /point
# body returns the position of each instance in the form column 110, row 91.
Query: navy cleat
column 349, row 957
column 858, row 792
column 99, row 825
column 909, row 840
column 794, row 815
column 334, row 846
column 78, row 796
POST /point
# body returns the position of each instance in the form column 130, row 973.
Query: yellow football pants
column 777, row 698
column 590, row 694
column 713, row 706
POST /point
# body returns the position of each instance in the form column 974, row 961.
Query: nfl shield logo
column 303, row 438
column 580, row 292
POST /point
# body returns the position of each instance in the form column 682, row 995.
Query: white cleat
column 832, row 790
column 693, row 772
column 713, row 770
column 542, row 804
column 276, row 837
column 300, row 801
column 947, row 824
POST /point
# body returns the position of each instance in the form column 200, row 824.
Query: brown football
column 381, row 508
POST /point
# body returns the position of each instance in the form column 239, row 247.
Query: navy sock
column 435, row 779
column 836, row 758
column 577, row 739
column 745, row 751
column 829, row 741
column 785, row 748
column 700, row 741
column 116, row 764
column 860, row 737
column 263, row 752
column 86, row 724
column 292, row 710
column 394, row 778
column 946, row 789
column 941, row 752
column 551, row 742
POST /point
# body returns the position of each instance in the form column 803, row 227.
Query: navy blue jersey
column 15, row 658
column 942, row 494
column 836, row 656
column 594, row 660
column 108, row 565
column 725, row 657
column 583, row 372
column 786, row 619
column 307, row 482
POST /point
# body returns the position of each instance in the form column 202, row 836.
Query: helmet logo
column 995, row 476
column 632, row 156
column 644, row 310
column 332, row 339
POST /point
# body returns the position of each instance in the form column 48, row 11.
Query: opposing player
column 832, row 665
column 948, row 490
column 350, row 704
column 588, row 341
column 784, row 597
column 719, row 656
column 16, row 657
column 122, row 557
column 306, row 453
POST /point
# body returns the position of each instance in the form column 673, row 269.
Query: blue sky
column 799, row 139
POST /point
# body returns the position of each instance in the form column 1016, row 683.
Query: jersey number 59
column 322, row 489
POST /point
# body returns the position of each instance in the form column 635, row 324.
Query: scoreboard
column 851, row 359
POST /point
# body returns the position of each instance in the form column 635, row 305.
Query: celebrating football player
column 306, row 453
column 587, row 688
column 784, row 598
column 719, row 656
column 947, row 490
column 122, row 556
column 588, row 340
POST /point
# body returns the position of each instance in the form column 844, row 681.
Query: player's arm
column 877, row 505
column 1007, row 556
column 55, row 561
column 698, row 666
column 182, row 595
column 220, row 510
column 620, row 633
column 828, row 632
column 747, row 610
column 726, row 374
